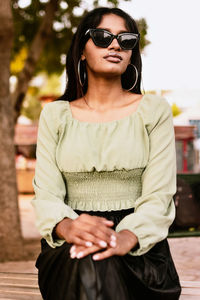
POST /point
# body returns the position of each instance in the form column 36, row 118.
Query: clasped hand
column 94, row 235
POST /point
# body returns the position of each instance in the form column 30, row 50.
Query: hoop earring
column 136, row 77
column 79, row 74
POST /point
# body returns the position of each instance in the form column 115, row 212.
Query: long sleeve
column 154, row 209
column 48, row 183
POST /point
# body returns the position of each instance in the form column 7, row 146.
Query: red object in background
column 26, row 134
column 185, row 156
column 47, row 98
column 186, row 135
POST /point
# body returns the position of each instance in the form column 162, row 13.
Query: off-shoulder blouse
column 105, row 166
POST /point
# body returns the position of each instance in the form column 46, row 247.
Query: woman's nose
column 114, row 45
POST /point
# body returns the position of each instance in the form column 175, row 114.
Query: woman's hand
column 124, row 241
column 86, row 231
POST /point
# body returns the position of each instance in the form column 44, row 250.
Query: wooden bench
column 190, row 290
column 19, row 286
column 24, row 286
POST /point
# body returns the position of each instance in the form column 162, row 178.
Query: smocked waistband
column 103, row 191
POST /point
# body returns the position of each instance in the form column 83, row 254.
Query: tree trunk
column 42, row 36
column 10, row 232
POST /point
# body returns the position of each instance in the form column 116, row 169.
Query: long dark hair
column 74, row 90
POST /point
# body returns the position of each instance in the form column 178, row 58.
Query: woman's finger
column 78, row 241
column 104, row 254
column 82, row 232
column 91, row 239
column 74, row 250
column 94, row 225
column 95, row 220
column 98, row 236
column 81, row 252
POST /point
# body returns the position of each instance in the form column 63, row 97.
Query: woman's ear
column 83, row 57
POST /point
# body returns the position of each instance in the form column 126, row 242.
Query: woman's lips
column 113, row 57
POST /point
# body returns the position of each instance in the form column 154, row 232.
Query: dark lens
column 101, row 38
column 127, row 41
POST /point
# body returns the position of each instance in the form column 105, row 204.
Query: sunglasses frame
column 113, row 36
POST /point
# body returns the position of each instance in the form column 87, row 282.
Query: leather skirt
column 149, row 276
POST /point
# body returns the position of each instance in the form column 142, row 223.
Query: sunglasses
column 103, row 38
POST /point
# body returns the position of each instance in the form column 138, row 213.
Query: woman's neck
column 104, row 93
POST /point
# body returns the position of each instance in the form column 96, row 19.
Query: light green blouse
column 120, row 164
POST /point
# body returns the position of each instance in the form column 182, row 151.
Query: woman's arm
column 53, row 215
column 154, row 210
column 48, row 183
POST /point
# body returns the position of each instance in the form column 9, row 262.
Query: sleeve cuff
column 53, row 243
column 47, row 223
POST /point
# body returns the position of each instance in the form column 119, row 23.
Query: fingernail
column 79, row 255
column 73, row 255
column 95, row 257
column 113, row 244
column 113, row 237
column 72, row 249
column 103, row 244
column 88, row 244
column 108, row 221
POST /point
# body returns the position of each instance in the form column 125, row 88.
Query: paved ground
column 185, row 251
column 186, row 255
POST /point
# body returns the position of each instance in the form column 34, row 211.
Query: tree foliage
column 176, row 110
column 51, row 86
column 31, row 107
column 27, row 21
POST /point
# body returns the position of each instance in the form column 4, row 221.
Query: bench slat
column 190, row 291
column 12, row 280
column 189, row 297
column 24, row 286
column 18, row 275
column 19, row 286
column 20, row 295
column 193, row 284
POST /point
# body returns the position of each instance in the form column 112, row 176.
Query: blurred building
column 187, row 132
column 185, row 152
column 25, row 149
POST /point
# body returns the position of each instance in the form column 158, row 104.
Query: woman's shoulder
column 56, row 106
column 154, row 109
column 155, row 105
column 56, row 109
column 55, row 114
column 152, row 102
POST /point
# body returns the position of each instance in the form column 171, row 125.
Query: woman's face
column 101, row 61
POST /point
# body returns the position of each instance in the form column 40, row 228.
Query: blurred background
column 170, row 52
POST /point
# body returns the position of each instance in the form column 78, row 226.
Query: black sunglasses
column 103, row 38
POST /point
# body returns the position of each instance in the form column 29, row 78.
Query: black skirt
column 149, row 276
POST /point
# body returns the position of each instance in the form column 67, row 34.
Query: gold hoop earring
column 79, row 73
column 136, row 77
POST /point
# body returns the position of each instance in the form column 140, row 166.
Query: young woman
column 105, row 174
